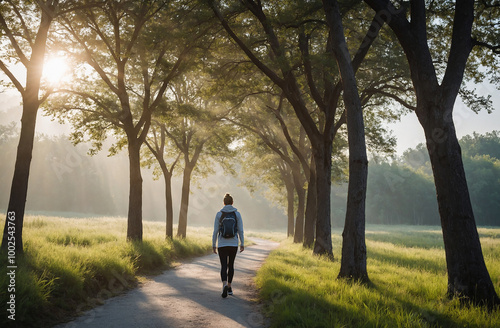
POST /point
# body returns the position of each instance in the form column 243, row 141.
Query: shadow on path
column 187, row 296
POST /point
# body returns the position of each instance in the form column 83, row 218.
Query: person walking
column 228, row 228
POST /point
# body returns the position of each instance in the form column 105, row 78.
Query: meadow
column 73, row 264
column 407, row 269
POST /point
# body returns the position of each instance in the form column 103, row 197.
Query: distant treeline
column 402, row 191
column 66, row 181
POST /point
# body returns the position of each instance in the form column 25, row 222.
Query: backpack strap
column 222, row 217
column 220, row 221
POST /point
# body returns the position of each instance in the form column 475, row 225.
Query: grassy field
column 407, row 269
column 71, row 265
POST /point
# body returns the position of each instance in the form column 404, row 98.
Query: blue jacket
column 223, row 242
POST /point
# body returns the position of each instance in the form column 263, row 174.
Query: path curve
column 187, row 296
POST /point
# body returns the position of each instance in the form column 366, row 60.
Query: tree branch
column 111, row 115
column 372, row 91
column 27, row 32
column 495, row 49
column 264, row 68
column 89, row 58
column 342, row 120
column 304, row 50
column 96, row 28
column 370, row 36
column 46, row 95
column 418, row 16
column 461, row 46
column 396, row 19
column 12, row 78
column 24, row 60
column 286, row 132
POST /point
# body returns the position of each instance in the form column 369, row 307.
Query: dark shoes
column 224, row 291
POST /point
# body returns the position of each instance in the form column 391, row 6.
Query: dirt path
column 187, row 296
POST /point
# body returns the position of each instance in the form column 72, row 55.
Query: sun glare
column 54, row 70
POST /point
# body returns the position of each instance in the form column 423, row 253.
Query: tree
column 477, row 145
column 290, row 67
column 130, row 51
column 25, row 28
column 353, row 262
column 158, row 145
column 260, row 110
column 198, row 130
column 467, row 273
column 271, row 171
column 267, row 117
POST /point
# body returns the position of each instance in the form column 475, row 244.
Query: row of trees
column 139, row 64
column 64, row 179
column 290, row 67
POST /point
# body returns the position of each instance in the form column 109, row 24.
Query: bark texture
column 311, row 207
column 468, row 276
column 169, row 219
column 323, row 161
column 301, row 197
column 134, row 225
column 186, row 189
column 189, row 166
column 353, row 262
column 290, row 201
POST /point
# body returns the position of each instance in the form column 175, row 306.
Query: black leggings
column 227, row 255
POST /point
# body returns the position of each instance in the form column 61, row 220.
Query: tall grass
column 71, row 265
column 407, row 269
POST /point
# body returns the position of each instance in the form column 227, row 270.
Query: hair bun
column 228, row 199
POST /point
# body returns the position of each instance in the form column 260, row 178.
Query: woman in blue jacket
column 228, row 226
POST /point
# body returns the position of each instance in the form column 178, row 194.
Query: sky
column 408, row 131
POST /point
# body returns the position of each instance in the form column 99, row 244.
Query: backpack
column 228, row 224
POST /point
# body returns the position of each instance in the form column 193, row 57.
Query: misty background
column 66, row 181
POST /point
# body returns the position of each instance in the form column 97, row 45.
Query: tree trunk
column 467, row 273
column 134, row 228
column 19, row 187
column 323, row 159
column 299, row 220
column 353, row 262
column 290, row 203
column 468, row 276
column 186, row 187
column 311, row 208
column 169, row 205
